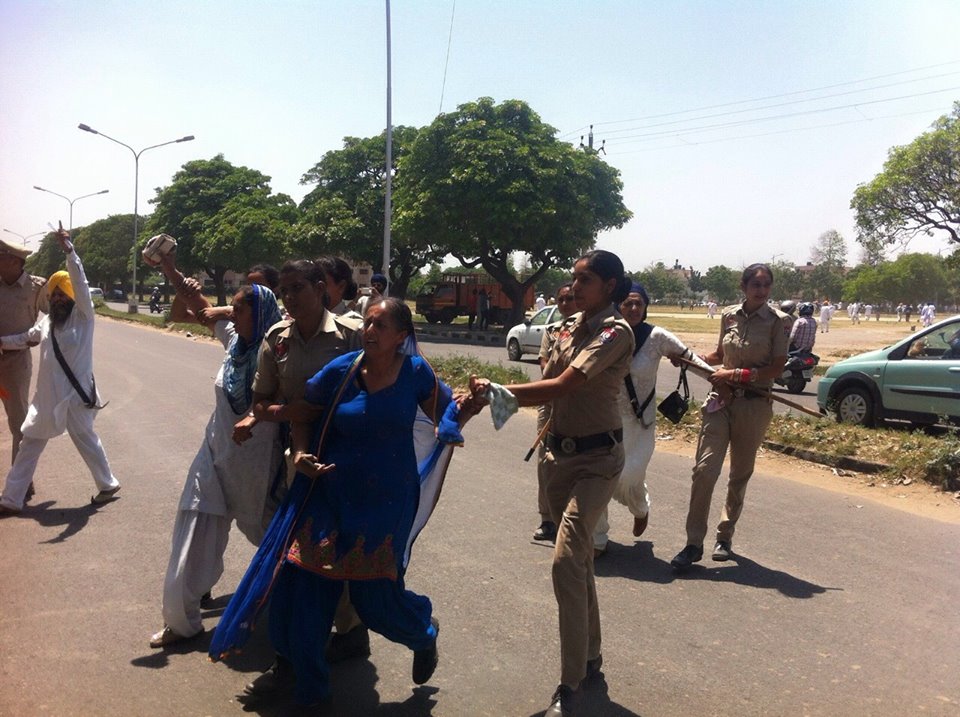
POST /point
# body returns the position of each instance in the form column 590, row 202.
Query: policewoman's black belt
column 569, row 446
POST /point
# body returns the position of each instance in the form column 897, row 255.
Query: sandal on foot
column 168, row 637
column 105, row 496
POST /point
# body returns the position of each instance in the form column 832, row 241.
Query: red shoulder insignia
column 608, row 335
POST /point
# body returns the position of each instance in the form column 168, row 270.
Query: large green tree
column 722, row 283
column 661, row 283
column 918, row 190
column 105, row 246
column 344, row 213
column 491, row 179
column 223, row 217
column 910, row 278
column 48, row 257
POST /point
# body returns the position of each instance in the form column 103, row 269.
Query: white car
column 96, row 293
column 525, row 338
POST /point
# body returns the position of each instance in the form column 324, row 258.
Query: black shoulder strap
column 634, row 401
column 87, row 400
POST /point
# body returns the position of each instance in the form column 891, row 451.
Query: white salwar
column 639, row 434
column 225, row 482
column 56, row 406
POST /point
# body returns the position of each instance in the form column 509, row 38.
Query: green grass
column 154, row 320
column 456, row 370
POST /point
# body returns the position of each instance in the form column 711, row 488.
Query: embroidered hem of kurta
column 356, row 564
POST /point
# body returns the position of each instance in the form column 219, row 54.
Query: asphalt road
column 834, row 605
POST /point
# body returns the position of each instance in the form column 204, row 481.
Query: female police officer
column 753, row 350
column 584, row 452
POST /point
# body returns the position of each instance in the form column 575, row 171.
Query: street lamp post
column 132, row 305
column 24, row 238
column 71, row 201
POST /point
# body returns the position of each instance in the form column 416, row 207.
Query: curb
column 460, row 336
column 850, row 464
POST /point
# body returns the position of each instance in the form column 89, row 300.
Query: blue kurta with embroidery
column 356, row 522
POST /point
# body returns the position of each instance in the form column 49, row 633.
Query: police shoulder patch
column 608, row 335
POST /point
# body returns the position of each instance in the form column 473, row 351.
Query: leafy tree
column 105, row 246
column 918, row 189
column 789, row 282
column 552, row 279
column 489, row 180
column 722, row 283
column 872, row 250
column 344, row 214
column 830, row 250
column 695, row 282
column 661, row 283
column 48, row 257
column 825, row 282
column 434, row 273
column 910, row 278
column 223, row 217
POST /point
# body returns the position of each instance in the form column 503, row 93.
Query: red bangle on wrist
column 745, row 374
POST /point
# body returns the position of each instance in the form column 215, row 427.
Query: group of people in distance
column 331, row 433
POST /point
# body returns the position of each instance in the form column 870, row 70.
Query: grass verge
column 156, row 321
column 908, row 455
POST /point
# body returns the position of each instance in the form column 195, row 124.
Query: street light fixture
column 132, row 305
column 71, row 201
column 24, row 238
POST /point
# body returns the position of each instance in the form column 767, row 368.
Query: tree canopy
column 344, row 214
column 918, row 189
column 491, row 179
column 223, row 217
column 105, row 246
column 723, row 283
column 661, row 283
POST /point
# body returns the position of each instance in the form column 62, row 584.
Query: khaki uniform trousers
column 578, row 489
column 741, row 426
column 15, row 367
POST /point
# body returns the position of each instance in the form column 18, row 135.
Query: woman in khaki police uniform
column 293, row 351
column 584, row 452
column 752, row 351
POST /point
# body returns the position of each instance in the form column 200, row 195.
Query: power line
column 767, row 97
column 785, row 104
column 739, row 123
column 688, row 143
column 443, row 86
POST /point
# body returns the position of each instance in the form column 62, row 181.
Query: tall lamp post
column 24, row 238
column 71, row 201
column 132, row 305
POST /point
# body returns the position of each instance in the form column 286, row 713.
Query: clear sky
column 274, row 85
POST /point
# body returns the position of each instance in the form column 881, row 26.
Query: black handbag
column 674, row 406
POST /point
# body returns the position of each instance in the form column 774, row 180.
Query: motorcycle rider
column 789, row 307
column 155, row 300
column 803, row 335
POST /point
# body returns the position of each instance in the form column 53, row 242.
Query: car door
column 927, row 378
column 533, row 335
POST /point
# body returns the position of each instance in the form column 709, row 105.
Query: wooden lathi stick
column 765, row 392
column 540, row 437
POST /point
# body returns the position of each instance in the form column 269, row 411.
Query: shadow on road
column 637, row 562
column 73, row 520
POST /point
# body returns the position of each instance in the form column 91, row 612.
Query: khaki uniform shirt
column 21, row 303
column 753, row 340
column 287, row 360
column 601, row 349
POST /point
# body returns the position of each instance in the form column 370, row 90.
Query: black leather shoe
column 687, row 557
column 351, row 645
column 425, row 661
column 275, row 681
column 547, row 531
column 594, row 668
column 30, row 493
column 562, row 703
column 722, row 551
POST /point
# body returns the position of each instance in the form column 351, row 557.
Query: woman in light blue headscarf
column 226, row 482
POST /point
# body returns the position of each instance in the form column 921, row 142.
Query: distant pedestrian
column 826, row 313
column 483, row 310
column 539, row 303
column 711, row 309
column 471, row 309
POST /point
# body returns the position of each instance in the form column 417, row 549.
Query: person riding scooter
column 155, row 301
column 803, row 334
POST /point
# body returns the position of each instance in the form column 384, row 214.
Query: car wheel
column 513, row 350
column 855, row 405
column 796, row 384
column 431, row 318
column 447, row 316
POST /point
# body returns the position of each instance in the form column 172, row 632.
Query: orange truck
column 442, row 301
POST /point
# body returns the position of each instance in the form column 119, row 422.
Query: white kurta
column 638, row 441
column 225, row 482
column 47, row 415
